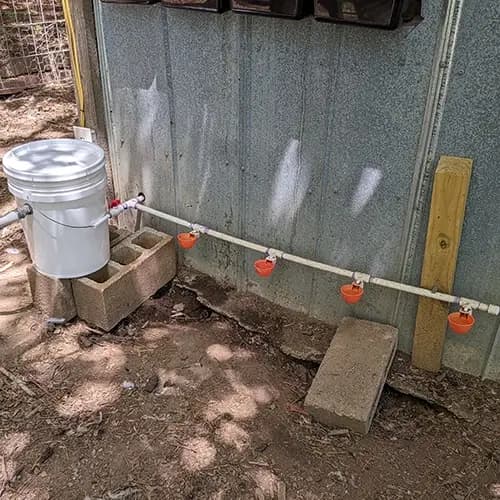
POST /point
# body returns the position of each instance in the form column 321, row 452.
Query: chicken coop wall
column 317, row 139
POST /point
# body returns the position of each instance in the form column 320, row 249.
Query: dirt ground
column 42, row 114
column 179, row 402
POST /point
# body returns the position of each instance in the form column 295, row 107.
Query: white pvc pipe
column 8, row 219
column 15, row 216
column 115, row 211
column 365, row 278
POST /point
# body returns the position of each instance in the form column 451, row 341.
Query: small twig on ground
column 281, row 493
column 293, row 408
column 259, row 494
column 7, row 266
column 474, row 444
column 46, row 453
column 128, row 492
column 93, row 330
column 471, row 490
column 300, row 398
column 5, row 478
column 17, row 381
column 40, row 386
column 339, row 432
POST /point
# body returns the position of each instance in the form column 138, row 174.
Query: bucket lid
column 53, row 160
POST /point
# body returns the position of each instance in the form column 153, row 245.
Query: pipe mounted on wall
column 354, row 275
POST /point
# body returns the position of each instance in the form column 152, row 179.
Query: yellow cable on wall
column 70, row 28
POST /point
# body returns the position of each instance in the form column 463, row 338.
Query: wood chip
column 151, row 383
column 5, row 477
column 84, row 342
column 339, row 432
column 296, row 409
column 259, row 494
column 128, row 492
column 93, row 330
column 46, row 453
column 7, row 266
column 281, row 491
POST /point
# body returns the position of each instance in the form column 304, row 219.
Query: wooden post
column 449, row 198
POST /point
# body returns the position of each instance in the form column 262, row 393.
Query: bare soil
column 42, row 114
column 179, row 402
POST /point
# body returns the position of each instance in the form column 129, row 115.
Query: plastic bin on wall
column 388, row 14
column 277, row 8
column 206, row 5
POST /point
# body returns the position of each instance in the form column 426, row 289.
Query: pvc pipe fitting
column 274, row 254
column 15, row 215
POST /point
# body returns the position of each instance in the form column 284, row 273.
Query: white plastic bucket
column 64, row 181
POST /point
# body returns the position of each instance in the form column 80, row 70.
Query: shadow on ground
column 178, row 402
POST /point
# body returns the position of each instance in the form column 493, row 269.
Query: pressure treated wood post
column 449, row 198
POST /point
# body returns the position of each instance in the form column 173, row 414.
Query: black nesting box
column 387, row 14
column 207, row 5
column 277, row 8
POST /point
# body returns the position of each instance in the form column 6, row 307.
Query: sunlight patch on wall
column 204, row 163
column 367, row 185
column 290, row 186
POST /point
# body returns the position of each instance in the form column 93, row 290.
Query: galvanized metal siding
column 299, row 135
column 471, row 127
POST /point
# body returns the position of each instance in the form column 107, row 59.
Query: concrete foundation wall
column 308, row 137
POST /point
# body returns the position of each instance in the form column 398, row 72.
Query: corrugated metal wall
column 306, row 137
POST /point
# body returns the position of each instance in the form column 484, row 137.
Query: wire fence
column 34, row 47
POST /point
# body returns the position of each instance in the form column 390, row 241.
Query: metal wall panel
column 203, row 70
column 471, row 127
column 139, row 105
column 302, row 136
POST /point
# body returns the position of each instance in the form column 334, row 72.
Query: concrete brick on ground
column 349, row 382
column 140, row 265
column 51, row 296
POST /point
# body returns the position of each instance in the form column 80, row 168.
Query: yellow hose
column 70, row 28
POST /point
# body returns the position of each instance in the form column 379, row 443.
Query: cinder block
column 139, row 266
column 349, row 382
column 51, row 296
column 117, row 235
